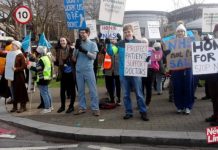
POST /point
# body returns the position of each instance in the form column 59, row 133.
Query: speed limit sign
column 22, row 15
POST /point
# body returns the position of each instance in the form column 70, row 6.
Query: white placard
column 136, row 29
column 135, row 59
column 153, row 29
column 205, row 57
column 112, row 11
column 92, row 26
column 210, row 19
column 111, row 32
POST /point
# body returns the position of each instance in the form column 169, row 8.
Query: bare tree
column 181, row 3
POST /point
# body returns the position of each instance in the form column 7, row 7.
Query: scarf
column 10, row 62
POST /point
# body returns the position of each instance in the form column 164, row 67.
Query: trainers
column 44, row 111
column 96, row 112
column 144, row 116
column 179, row 111
column 79, row 112
column 187, row 111
column 127, row 116
column 52, row 108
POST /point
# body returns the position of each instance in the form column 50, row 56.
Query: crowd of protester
column 77, row 67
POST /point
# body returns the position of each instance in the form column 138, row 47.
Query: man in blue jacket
column 129, row 81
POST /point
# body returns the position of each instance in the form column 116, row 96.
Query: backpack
column 106, row 105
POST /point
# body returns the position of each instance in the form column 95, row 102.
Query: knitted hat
column 181, row 27
column 144, row 40
column 41, row 50
column 157, row 44
column 17, row 43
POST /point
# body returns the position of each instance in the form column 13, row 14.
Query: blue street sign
column 75, row 15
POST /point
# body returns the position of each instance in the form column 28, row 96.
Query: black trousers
column 147, row 83
column 213, row 91
column 68, row 84
column 109, row 81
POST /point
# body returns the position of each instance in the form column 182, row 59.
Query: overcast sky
column 161, row 5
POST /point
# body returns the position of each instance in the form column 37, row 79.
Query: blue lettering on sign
column 75, row 15
column 109, row 35
column 180, row 63
column 179, row 43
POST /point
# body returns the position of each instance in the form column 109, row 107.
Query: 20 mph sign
column 22, row 15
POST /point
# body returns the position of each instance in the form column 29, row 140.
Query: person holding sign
column 213, row 89
column 129, row 81
column 183, row 85
column 85, row 54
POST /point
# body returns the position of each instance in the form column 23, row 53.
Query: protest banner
column 92, row 26
column 205, row 57
column 180, row 55
column 112, row 12
column 153, row 29
column 136, row 29
column 110, row 32
column 135, row 59
column 209, row 19
column 75, row 15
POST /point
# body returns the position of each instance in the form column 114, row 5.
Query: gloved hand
column 118, row 37
column 99, row 35
column 148, row 59
column 78, row 43
column 107, row 41
column 83, row 50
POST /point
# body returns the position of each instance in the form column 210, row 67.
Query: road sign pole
column 24, row 28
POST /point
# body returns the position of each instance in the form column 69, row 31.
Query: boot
column 14, row 108
column 144, row 116
column 22, row 108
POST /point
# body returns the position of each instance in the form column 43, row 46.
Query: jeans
column 82, row 77
column 46, row 95
column 136, row 82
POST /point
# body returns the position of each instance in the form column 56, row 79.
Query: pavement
column 165, row 127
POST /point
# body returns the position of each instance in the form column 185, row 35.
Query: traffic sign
column 22, row 14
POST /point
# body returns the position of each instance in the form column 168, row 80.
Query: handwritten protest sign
column 110, row 32
column 180, row 56
column 205, row 57
column 92, row 26
column 135, row 59
column 210, row 18
column 74, row 12
column 153, row 29
column 112, row 12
